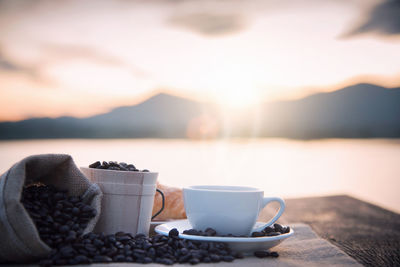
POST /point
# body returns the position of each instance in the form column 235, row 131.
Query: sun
column 232, row 85
column 238, row 92
column 241, row 99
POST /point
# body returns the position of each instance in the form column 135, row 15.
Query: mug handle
column 265, row 202
column 162, row 204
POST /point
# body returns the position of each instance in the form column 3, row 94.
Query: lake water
column 366, row 169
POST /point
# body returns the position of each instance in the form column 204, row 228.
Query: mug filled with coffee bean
column 128, row 196
column 227, row 209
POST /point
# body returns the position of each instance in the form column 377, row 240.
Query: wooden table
column 369, row 234
column 366, row 232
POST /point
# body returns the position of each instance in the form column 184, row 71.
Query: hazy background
column 204, row 91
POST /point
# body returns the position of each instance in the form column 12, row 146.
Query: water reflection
column 367, row 169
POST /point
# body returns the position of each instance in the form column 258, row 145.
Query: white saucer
column 242, row 244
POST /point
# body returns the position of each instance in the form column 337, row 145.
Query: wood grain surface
column 366, row 232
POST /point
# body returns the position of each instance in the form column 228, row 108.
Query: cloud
column 62, row 52
column 383, row 18
column 32, row 72
column 59, row 53
column 209, row 24
column 10, row 66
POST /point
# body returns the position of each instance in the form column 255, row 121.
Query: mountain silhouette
column 358, row 111
column 362, row 110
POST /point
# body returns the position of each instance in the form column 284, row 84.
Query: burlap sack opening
column 19, row 240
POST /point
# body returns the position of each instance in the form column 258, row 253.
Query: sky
column 80, row 58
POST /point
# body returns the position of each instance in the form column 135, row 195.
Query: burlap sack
column 19, row 239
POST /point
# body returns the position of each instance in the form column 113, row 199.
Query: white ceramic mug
column 127, row 202
column 227, row 209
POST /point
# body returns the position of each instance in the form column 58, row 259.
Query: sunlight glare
column 235, row 88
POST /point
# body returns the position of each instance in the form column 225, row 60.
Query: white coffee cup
column 227, row 209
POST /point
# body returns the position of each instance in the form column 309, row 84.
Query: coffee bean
column 122, row 168
column 114, row 168
column 210, row 232
column 223, row 252
column 268, row 230
column 73, row 199
column 70, row 238
column 287, row 230
column 273, row 234
column 119, row 245
column 278, row 227
column 98, row 243
column 112, row 238
column 75, row 211
column 191, row 232
column 113, row 164
column 82, row 259
column 67, row 252
column 105, row 164
column 86, row 209
column 140, row 236
column 60, row 262
column 90, row 248
column 95, row 164
column 238, row 255
column 183, row 251
column 46, row 262
column 147, row 260
column 184, row 258
column 274, row 254
column 228, row 258
column 173, row 233
column 261, row 254
column 204, row 246
column 257, row 234
column 59, row 196
column 63, row 229
column 99, row 258
column 215, row 258
column 167, row 261
column 123, row 238
column 206, row 260
column 119, row 258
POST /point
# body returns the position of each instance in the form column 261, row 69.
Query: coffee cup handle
column 162, row 203
column 265, row 202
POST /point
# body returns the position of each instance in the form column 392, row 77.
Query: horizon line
column 198, row 98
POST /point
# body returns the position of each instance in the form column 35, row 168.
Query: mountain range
column 358, row 111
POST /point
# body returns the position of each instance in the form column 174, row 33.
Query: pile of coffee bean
column 59, row 218
column 124, row 247
column 113, row 165
column 274, row 230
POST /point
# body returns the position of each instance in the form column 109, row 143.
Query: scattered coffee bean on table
column 113, row 165
column 61, row 219
column 124, row 247
column 265, row 254
column 274, row 230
